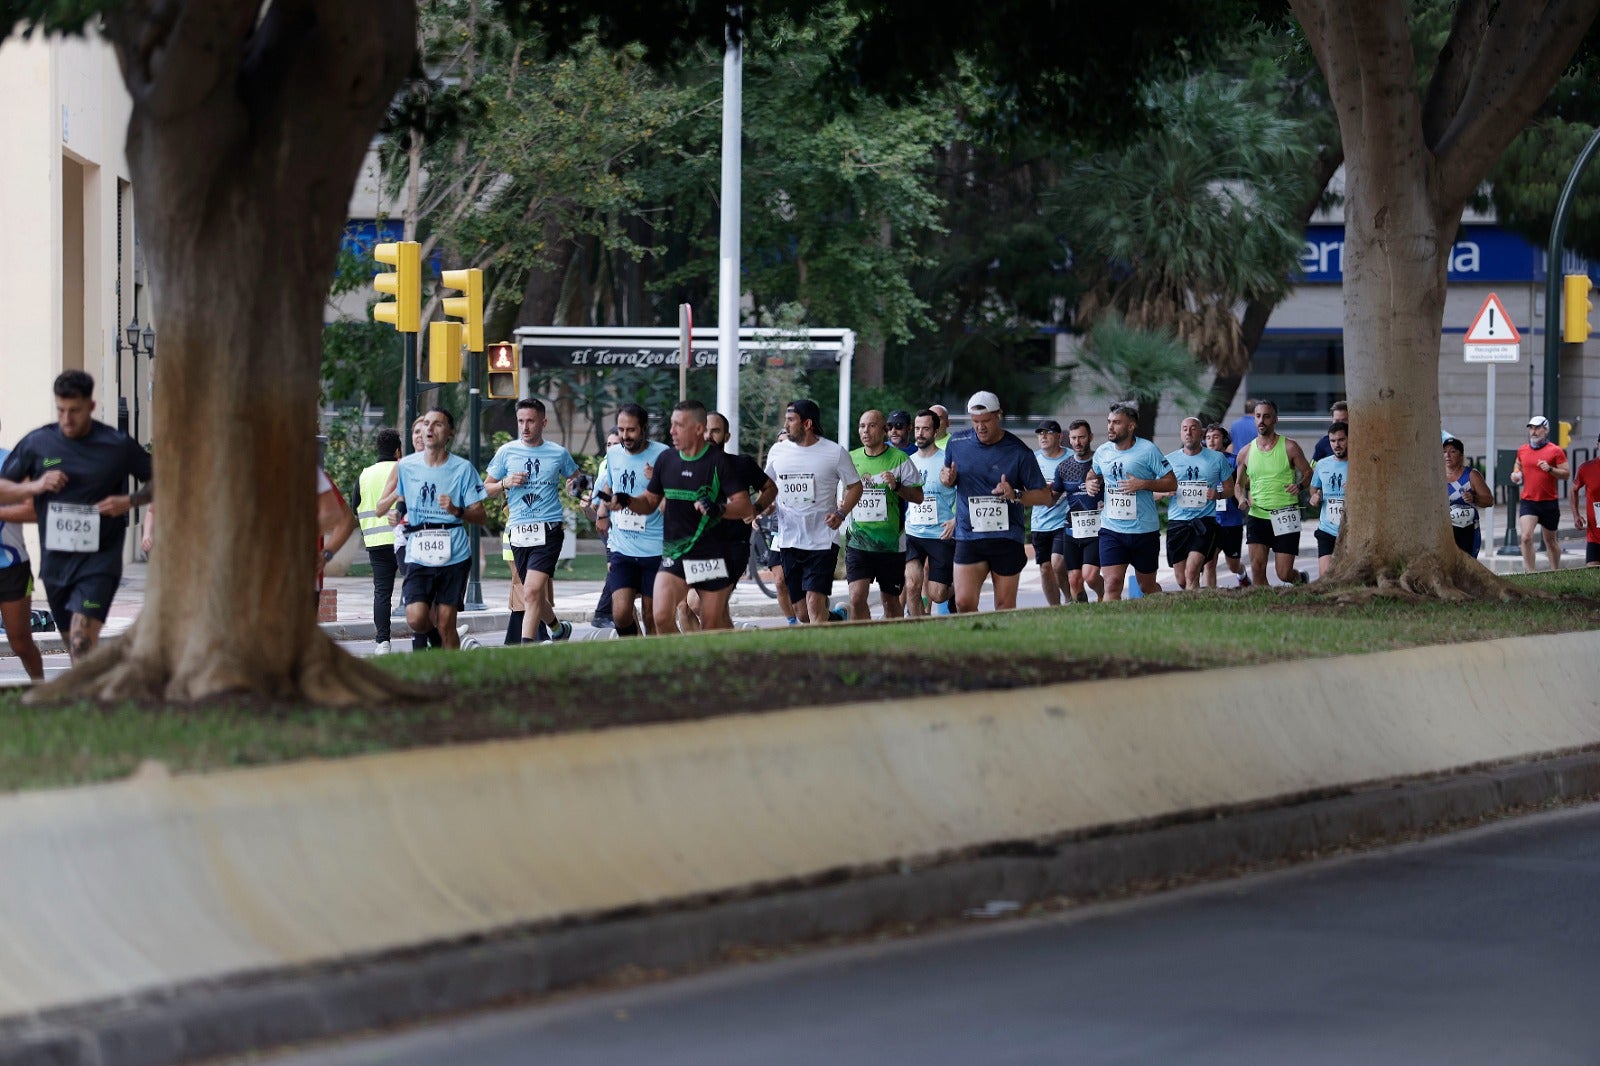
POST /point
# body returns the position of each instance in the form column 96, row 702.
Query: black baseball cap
column 807, row 410
column 1049, row 425
column 898, row 418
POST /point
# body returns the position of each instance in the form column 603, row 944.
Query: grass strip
column 514, row 692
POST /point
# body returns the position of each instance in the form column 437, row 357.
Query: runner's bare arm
column 23, row 514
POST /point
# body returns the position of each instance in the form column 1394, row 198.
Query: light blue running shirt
column 635, row 535
column 1209, row 467
column 547, row 466
column 1141, row 460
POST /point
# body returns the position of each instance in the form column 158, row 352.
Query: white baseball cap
column 1539, row 420
column 982, row 403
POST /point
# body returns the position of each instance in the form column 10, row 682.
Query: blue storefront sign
column 1480, row 254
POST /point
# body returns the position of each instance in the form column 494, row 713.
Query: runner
column 535, row 468
column 698, row 482
column 1585, row 518
column 794, row 611
column 1467, row 491
column 1272, row 471
column 1128, row 471
column 16, row 584
column 817, row 488
column 995, row 475
column 442, row 492
column 76, row 473
column 1327, row 492
column 1046, row 523
column 942, row 438
column 1339, row 412
column 874, row 542
column 633, row 543
column 736, row 532
column 391, row 505
column 377, row 535
column 1230, row 519
column 1540, row 464
column 930, row 525
column 899, row 428
column 1192, row 512
column 1076, row 552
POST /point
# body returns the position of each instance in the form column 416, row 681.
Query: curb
column 212, row 1019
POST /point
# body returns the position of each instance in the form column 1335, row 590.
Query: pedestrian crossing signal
column 502, row 371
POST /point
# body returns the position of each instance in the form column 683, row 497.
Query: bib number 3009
column 988, row 514
column 72, row 527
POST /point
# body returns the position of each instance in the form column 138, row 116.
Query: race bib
column 629, row 521
column 988, row 514
column 72, row 527
column 1333, row 511
column 1462, row 516
column 429, row 547
column 925, row 513
column 699, row 571
column 797, row 489
column 1123, row 506
column 1285, row 520
column 1222, row 504
column 872, row 507
column 1192, row 495
column 1085, row 524
column 527, row 535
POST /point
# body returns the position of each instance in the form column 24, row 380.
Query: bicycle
column 761, row 535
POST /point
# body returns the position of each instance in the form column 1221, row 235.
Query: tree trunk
column 243, row 144
column 1149, row 411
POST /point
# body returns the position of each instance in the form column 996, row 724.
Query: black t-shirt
column 97, row 465
column 711, row 475
column 735, row 532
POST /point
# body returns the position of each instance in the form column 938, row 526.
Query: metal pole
column 1488, row 462
column 728, row 276
column 685, row 347
column 410, row 372
column 475, row 454
column 1552, row 283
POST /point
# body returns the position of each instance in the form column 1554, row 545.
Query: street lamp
column 140, row 341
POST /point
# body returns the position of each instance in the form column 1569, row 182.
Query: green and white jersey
column 875, row 523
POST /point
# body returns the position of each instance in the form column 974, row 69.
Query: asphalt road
column 1481, row 947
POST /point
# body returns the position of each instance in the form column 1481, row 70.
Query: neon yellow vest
column 376, row 532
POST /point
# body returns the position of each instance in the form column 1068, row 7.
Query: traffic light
column 502, row 371
column 468, row 307
column 444, row 352
column 404, row 283
column 1575, row 309
column 1564, row 434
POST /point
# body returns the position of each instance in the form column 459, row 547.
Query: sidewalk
column 575, row 600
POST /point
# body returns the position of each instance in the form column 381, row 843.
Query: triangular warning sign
column 1493, row 325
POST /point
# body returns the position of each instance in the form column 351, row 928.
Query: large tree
column 249, row 123
column 1414, row 155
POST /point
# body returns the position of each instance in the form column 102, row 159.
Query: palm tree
column 1195, row 216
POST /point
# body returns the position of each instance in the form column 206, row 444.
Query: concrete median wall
column 111, row 890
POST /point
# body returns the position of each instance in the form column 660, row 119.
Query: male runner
column 942, row 438
column 1327, row 492
column 736, row 533
column 16, row 584
column 1272, row 471
column 1467, row 491
column 1076, row 552
column 1192, row 512
column 442, row 492
column 377, row 535
column 1588, row 479
column 930, row 524
column 995, row 475
column 1230, row 519
column 874, row 543
column 899, row 429
column 530, row 470
column 1047, row 522
column 633, row 541
column 1128, row 471
column 1339, row 412
column 698, row 482
column 817, row 488
column 1540, row 464
column 76, row 473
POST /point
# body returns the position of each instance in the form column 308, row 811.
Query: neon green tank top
column 1270, row 474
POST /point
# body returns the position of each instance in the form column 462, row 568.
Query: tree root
column 1453, row 578
column 325, row 675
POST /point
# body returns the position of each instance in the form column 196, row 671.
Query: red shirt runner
column 1539, row 484
column 1588, row 477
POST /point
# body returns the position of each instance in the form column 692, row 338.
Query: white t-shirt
column 808, row 480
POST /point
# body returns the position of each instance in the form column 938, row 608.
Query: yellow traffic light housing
column 1575, row 309
column 404, row 283
column 444, row 352
column 1564, row 434
column 502, row 371
column 468, row 307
